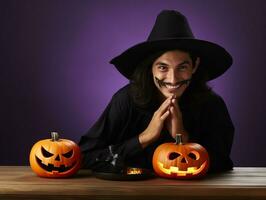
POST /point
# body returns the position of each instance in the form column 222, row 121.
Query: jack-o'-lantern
column 55, row 158
column 180, row 161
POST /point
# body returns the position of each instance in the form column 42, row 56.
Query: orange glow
column 190, row 170
column 134, row 171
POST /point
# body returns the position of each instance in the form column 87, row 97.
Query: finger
column 173, row 121
column 171, row 98
column 165, row 115
column 173, row 113
column 174, row 96
column 164, row 105
column 172, row 110
column 176, row 106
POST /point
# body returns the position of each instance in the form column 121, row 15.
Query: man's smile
column 172, row 86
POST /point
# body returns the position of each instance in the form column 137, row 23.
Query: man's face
column 170, row 72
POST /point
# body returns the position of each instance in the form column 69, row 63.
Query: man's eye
column 162, row 68
column 182, row 67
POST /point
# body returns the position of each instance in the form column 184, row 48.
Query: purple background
column 55, row 74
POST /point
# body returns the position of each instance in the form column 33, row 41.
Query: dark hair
column 145, row 93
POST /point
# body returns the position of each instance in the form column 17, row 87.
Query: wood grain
column 19, row 182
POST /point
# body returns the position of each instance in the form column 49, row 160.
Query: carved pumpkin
column 180, row 161
column 55, row 157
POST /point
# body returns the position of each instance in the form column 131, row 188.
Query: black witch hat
column 172, row 31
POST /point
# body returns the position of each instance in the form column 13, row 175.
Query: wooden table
column 19, row 182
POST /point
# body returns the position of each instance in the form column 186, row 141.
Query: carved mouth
column 51, row 167
column 190, row 170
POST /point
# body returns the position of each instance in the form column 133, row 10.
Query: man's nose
column 172, row 76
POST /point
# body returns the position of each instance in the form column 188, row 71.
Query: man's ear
column 196, row 65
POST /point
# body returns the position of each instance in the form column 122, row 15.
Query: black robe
column 112, row 142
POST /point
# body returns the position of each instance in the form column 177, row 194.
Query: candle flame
column 134, row 171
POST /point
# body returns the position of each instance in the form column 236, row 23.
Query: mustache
column 162, row 83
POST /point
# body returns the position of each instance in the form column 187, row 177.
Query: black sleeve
column 217, row 134
column 108, row 143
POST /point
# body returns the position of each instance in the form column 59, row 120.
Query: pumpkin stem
column 55, row 136
column 178, row 139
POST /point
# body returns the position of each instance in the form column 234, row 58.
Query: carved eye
column 45, row 153
column 194, row 155
column 173, row 156
column 68, row 154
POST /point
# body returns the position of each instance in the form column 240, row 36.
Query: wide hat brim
column 213, row 58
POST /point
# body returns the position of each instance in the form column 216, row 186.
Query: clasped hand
column 168, row 114
column 174, row 122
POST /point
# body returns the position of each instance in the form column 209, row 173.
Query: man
column 167, row 95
